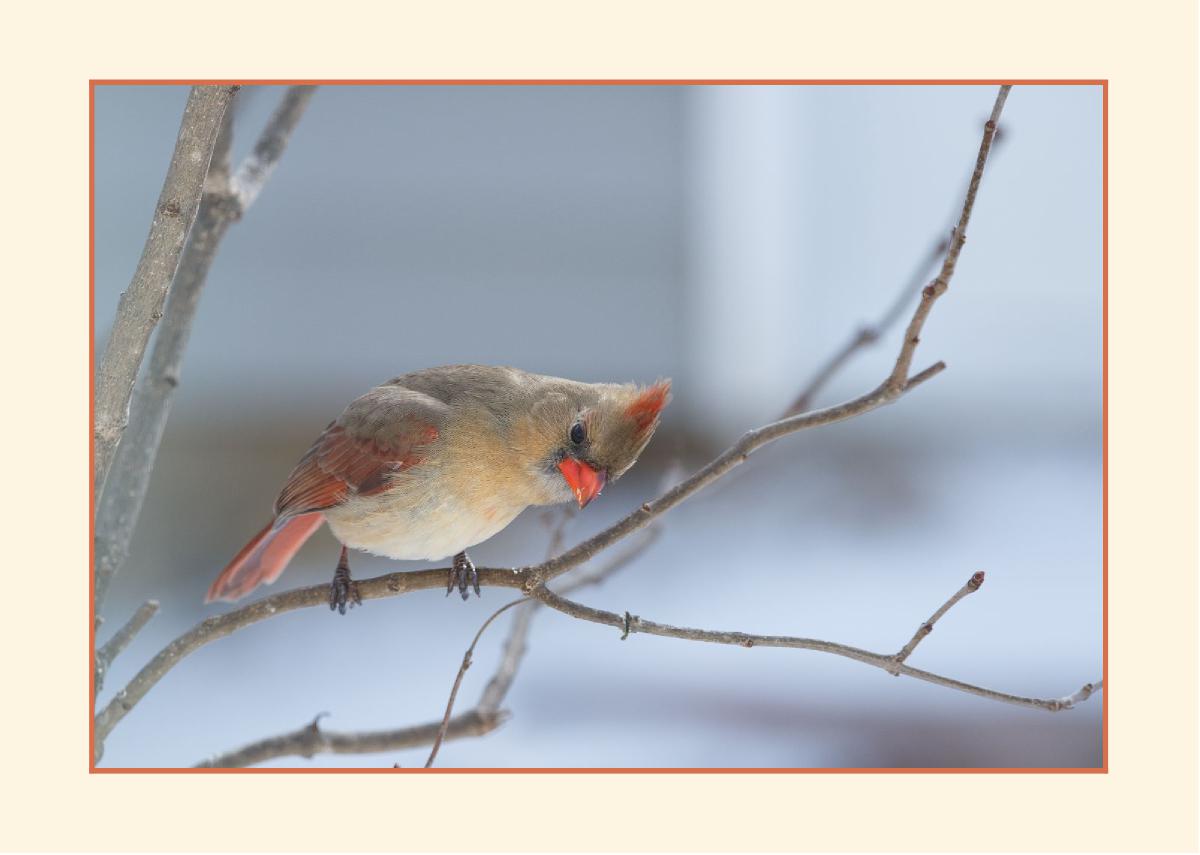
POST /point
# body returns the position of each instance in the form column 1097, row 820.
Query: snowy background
column 728, row 237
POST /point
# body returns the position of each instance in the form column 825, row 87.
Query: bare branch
column 225, row 201
column 630, row 624
column 140, row 307
column 310, row 740
column 939, row 286
column 117, row 644
column 972, row 585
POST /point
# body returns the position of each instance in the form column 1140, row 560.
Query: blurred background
column 731, row 238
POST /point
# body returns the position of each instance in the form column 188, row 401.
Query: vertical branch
column 939, row 286
column 141, row 304
column 120, row 503
column 226, row 198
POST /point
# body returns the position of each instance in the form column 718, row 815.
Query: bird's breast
column 419, row 520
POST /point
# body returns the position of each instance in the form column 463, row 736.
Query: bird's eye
column 578, row 434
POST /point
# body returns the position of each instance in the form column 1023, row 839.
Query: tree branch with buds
column 893, row 663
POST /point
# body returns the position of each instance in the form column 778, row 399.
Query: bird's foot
column 464, row 575
column 343, row 590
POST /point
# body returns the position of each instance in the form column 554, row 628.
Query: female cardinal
column 438, row 460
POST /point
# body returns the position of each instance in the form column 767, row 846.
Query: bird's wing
column 386, row 431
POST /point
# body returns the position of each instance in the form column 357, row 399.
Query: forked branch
column 630, row 624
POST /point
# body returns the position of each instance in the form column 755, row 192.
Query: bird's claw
column 343, row 591
column 464, row 575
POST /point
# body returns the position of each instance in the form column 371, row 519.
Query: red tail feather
column 262, row 559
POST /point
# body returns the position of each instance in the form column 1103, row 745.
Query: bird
column 435, row 461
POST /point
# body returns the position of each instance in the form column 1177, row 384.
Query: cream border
column 1148, row 799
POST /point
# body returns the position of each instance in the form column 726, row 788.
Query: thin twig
column 225, row 200
column 117, row 644
column 462, row 670
column 972, row 585
column 630, row 624
column 140, row 307
column 511, row 655
column 939, row 286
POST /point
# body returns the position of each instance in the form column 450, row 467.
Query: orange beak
column 584, row 481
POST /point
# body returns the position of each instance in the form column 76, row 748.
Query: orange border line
column 616, row 81
column 91, row 585
column 1102, row 769
column 570, row 770
column 1104, row 426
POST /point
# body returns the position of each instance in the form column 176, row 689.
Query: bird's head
column 593, row 433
